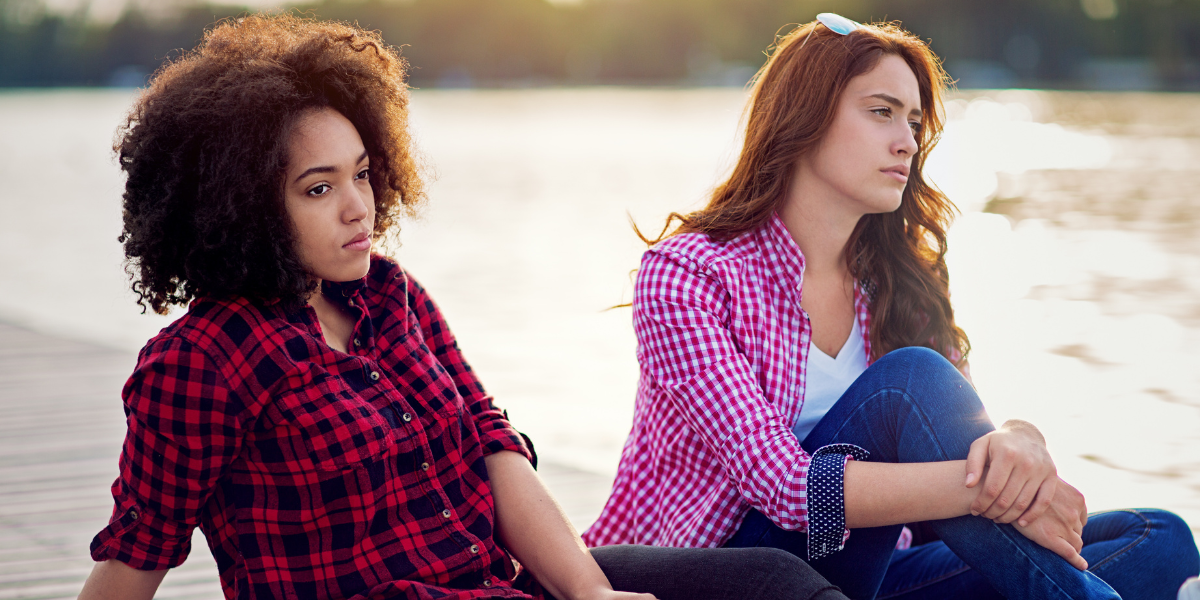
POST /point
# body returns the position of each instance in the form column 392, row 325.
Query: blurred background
column 1062, row 44
column 1072, row 149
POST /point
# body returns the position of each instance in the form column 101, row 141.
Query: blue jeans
column 913, row 406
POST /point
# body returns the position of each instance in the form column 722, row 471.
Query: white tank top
column 827, row 378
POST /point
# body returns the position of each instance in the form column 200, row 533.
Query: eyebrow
column 326, row 169
column 916, row 112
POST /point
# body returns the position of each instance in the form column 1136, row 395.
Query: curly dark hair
column 205, row 146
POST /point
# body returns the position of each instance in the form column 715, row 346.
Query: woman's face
column 328, row 196
column 863, row 161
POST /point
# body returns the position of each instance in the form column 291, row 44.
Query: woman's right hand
column 1060, row 528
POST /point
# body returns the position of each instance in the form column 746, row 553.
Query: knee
column 920, row 370
column 786, row 573
column 915, row 358
column 1178, row 532
column 1171, row 539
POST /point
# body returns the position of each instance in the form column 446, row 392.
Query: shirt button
column 424, row 466
column 407, row 417
column 350, row 302
column 357, row 342
column 133, row 515
column 474, row 549
column 487, row 583
column 375, row 377
column 446, row 513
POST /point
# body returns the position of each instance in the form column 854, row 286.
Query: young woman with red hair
column 803, row 381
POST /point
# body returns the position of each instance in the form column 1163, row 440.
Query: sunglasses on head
column 836, row 23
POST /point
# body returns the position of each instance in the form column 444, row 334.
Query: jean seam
column 926, row 583
column 1116, row 555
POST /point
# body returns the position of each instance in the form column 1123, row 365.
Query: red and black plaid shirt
column 313, row 473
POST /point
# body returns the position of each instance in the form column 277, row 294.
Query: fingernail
column 970, row 478
column 974, row 513
column 1021, row 522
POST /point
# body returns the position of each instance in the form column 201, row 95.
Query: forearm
column 534, row 529
column 113, row 579
column 878, row 494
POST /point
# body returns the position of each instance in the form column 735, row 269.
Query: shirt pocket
column 328, row 424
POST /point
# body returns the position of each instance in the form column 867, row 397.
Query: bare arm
column 532, row 526
column 115, row 580
column 880, row 494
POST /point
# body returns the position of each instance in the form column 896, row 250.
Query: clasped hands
column 1020, row 486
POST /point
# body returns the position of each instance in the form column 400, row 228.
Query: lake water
column 1075, row 266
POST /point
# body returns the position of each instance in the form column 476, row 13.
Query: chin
column 349, row 272
column 883, row 205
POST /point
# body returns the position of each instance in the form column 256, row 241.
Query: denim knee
column 915, row 358
column 926, row 376
column 1178, row 543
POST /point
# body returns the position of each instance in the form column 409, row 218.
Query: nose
column 358, row 204
column 906, row 143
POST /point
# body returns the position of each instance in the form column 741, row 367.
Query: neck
column 317, row 300
column 316, row 296
column 820, row 222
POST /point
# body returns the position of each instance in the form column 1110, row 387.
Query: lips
column 898, row 172
column 362, row 241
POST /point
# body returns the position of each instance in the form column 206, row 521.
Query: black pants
column 713, row 573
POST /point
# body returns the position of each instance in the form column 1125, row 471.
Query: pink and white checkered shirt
column 723, row 348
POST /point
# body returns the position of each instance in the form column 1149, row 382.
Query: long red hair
column 898, row 257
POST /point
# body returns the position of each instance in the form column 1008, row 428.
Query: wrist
column 1024, row 427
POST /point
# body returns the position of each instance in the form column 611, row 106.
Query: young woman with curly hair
column 798, row 360
column 311, row 412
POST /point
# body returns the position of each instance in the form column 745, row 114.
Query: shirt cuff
column 141, row 539
column 826, row 498
column 498, row 434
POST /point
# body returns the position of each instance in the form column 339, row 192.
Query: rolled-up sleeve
column 184, row 430
column 495, row 431
column 827, row 532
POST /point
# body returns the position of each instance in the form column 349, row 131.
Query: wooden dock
column 61, row 427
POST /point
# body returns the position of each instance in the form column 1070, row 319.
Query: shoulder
column 211, row 323
column 235, row 340
column 701, row 252
column 697, row 255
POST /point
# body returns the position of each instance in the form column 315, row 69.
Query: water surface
column 1075, row 265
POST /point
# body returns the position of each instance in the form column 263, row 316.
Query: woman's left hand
column 1021, row 479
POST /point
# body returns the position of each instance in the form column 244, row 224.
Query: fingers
column 1071, row 497
column 976, row 459
column 995, row 483
column 1045, row 496
column 1007, row 510
column 1069, row 553
column 1075, row 539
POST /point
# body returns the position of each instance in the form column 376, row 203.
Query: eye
column 319, row 190
column 882, row 111
column 363, row 174
column 915, row 126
